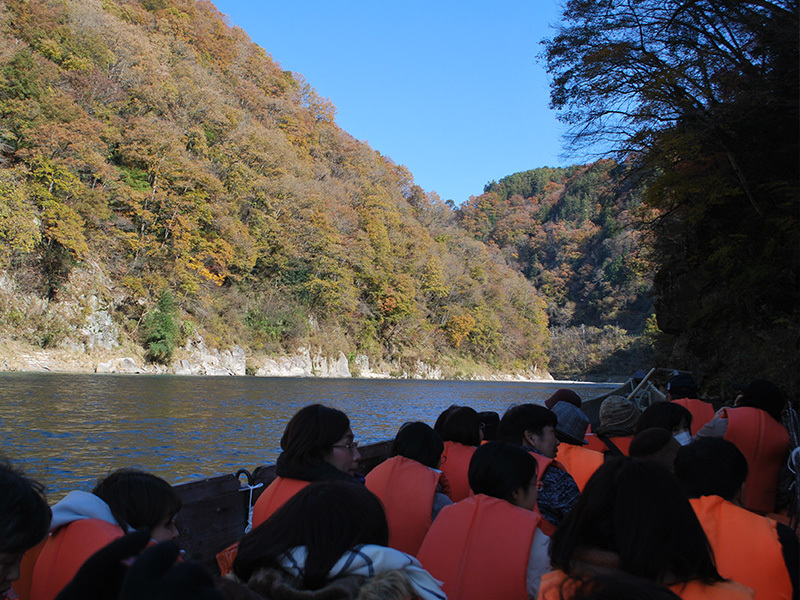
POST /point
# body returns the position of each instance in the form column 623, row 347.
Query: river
column 68, row 430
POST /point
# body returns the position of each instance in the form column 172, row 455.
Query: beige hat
column 618, row 413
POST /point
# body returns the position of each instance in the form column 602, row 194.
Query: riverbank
column 196, row 358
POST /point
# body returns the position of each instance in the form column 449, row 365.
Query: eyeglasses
column 351, row 446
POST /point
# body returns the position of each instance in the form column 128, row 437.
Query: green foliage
column 160, row 330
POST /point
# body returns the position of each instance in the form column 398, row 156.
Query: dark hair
column 24, row 513
column 490, row 420
column 667, row 415
column 616, row 585
column 327, row 517
column 437, row 427
column 711, row 467
column 765, row 395
column 498, row 469
column 525, row 417
column 636, row 509
column 419, row 442
column 463, row 425
column 138, row 499
column 310, row 433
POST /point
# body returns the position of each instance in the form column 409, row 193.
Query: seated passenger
column 490, row 420
column 460, row 429
column 673, row 417
column 633, row 517
column 317, row 445
column 657, row 444
column 489, row 545
column 618, row 417
column 24, row 521
column 408, row 485
column 746, row 546
column 579, row 461
column 127, row 499
column 327, row 541
column 533, row 427
column 682, row 390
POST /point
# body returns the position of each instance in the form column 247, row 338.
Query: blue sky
column 453, row 90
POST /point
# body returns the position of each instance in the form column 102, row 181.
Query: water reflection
column 68, row 430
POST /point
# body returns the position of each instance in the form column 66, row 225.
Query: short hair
column 463, row 425
column 525, row 417
column 138, row 499
column 24, row 513
column 437, row 427
column 711, row 467
column 327, row 517
column 636, row 509
column 667, row 415
column 490, row 420
column 310, row 435
column 615, row 585
column 418, row 441
column 499, row 468
column 765, row 395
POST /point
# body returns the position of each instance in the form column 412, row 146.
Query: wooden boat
column 642, row 388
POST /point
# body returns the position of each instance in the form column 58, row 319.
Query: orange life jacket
column 746, row 547
column 579, row 461
column 596, row 444
column 22, row 586
column 764, row 443
column 455, row 464
column 480, row 547
column 65, row 551
column 702, row 412
column 555, row 583
column 276, row 495
column 406, row 489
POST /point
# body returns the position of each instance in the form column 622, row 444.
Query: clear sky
column 453, row 90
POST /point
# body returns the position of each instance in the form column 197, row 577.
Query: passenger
column 460, row 430
column 24, row 521
column 682, row 390
column 657, row 444
column 670, row 416
column 633, row 517
column 754, row 425
column 488, row 545
column 127, row 499
column 317, row 445
column 615, row 586
column 746, row 546
column 328, row 541
column 533, row 427
column 618, row 417
column 490, row 420
column 408, row 485
column 580, row 462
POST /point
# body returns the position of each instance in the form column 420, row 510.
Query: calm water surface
column 68, row 430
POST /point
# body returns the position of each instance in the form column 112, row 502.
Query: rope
column 250, row 488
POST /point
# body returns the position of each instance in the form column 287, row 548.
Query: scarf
column 368, row 560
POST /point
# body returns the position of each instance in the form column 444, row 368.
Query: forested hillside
column 157, row 164
column 576, row 234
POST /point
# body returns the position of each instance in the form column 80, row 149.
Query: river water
column 69, row 430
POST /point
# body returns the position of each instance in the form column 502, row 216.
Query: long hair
column 636, row 509
column 667, row 415
column 462, row 425
column 310, row 433
column 419, row 442
column 24, row 513
column 499, row 468
column 138, row 499
column 327, row 517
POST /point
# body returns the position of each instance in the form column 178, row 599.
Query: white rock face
column 119, row 365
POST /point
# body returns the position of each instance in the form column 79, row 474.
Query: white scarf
column 369, row 560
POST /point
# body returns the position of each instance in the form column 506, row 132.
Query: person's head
column 655, row 443
column 24, row 520
column 437, row 427
column 613, row 586
column 419, row 442
column 490, row 420
column 618, row 416
column 327, row 517
column 667, row 415
column 320, row 433
column 138, row 499
column 530, row 425
column 572, row 423
column 563, row 395
column 463, row 425
column 681, row 385
column 765, row 395
column 506, row 471
column 636, row 509
column 711, row 467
